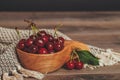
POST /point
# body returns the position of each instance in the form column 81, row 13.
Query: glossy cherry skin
column 39, row 42
column 41, row 33
column 50, row 38
column 58, row 46
column 70, row 65
column 79, row 65
column 29, row 42
column 21, row 44
column 61, row 40
column 22, row 41
column 32, row 37
column 45, row 39
column 75, row 61
column 33, row 49
column 42, row 51
column 49, row 46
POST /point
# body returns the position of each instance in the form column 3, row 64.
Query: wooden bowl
column 45, row 63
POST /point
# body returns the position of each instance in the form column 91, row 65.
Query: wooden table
column 100, row 29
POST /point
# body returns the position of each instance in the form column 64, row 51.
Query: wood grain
column 100, row 29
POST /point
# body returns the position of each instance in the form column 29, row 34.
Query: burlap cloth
column 9, row 39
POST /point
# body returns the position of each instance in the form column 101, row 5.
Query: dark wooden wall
column 59, row 5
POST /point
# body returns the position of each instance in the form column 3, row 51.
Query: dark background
column 59, row 5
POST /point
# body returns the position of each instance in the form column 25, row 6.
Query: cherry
column 79, row 65
column 41, row 33
column 33, row 49
column 61, row 40
column 51, row 51
column 49, row 46
column 29, row 42
column 55, row 41
column 50, row 38
column 45, row 39
column 39, row 42
column 70, row 65
column 75, row 61
column 26, row 49
column 43, row 51
column 22, row 41
column 32, row 37
column 58, row 46
column 21, row 44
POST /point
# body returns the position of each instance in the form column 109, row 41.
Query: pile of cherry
column 41, row 43
column 74, row 63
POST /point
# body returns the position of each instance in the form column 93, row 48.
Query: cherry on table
column 70, row 65
column 79, row 65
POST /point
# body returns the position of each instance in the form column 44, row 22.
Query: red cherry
column 55, row 41
column 22, row 41
column 41, row 33
column 70, row 65
column 29, row 42
column 49, row 46
column 33, row 49
column 26, row 49
column 75, row 61
column 45, row 39
column 21, row 44
column 50, row 38
column 58, row 46
column 61, row 40
column 39, row 42
column 32, row 37
column 43, row 51
column 79, row 65
column 51, row 51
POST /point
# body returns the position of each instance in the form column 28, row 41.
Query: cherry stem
column 56, row 29
column 33, row 26
column 71, row 57
column 76, row 55
column 18, row 33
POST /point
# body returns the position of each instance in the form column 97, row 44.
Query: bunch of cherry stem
column 32, row 25
column 17, row 31
column 56, row 29
column 74, row 62
column 35, row 29
column 74, row 55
